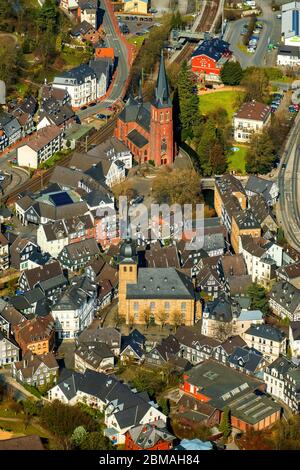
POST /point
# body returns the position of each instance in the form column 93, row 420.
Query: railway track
column 36, row 183
column 208, row 16
column 206, row 23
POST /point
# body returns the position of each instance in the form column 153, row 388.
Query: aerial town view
column 149, row 228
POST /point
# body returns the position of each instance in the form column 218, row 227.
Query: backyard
column 227, row 99
column 237, row 160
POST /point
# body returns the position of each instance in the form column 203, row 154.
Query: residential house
column 132, row 347
column 4, row 253
column 243, row 223
column 36, row 335
column 53, row 113
column 194, row 346
column 77, row 255
column 275, row 377
column 219, row 386
column 10, row 130
column 20, row 250
column 284, row 300
column 251, row 118
column 223, row 351
column 85, row 83
column 247, row 360
column 231, row 269
column 123, row 408
column 88, row 10
column 263, row 213
column 267, row 339
column 294, row 338
column 262, row 258
column 155, row 289
column 209, row 283
column 164, row 352
column 9, row 317
column 74, row 309
column 149, row 437
column 106, row 278
column 9, row 350
column 40, row 147
column 110, row 336
column 36, row 370
column 32, row 303
column 53, row 237
column 95, row 356
column 260, row 186
column 229, row 197
column 224, row 317
column 136, row 6
column 31, row 278
column 292, row 389
column 290, row 273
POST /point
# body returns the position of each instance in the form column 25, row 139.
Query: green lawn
column 237, row 160
column 137, row 40
column 220, row 99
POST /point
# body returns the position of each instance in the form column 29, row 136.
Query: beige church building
column 155, row 295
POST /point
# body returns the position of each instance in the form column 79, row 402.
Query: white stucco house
column 250, row 119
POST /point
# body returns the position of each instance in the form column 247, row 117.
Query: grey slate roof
column 286, row 295
column 266, row 331
column 247, row 358
column 161, row 283
column 282, row 364
column 137, row 139
column 261, row 186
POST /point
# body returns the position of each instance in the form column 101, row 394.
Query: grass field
column 237, row 160
column 220, row 99
column 137, row 40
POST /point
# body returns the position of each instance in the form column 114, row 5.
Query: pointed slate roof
column 162, row 96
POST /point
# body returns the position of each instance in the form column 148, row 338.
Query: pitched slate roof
column 22, row 443
column 82, row 249
column 137, row 139
column 150, row 434
column 267, row 332
column 253, row 110
column 213, row 48
column 282, row 365
column 31, row 362
column 42, row 273
column 93, row 353
column 43, row 137
column 246, row 358
column 261, row 186
column 78, row 293
column 161, row 92
column 161, row 283
column 295, row 330
column 286, row 295
column 110, row 336
column 191, row 336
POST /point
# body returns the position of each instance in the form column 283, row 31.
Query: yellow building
column 136, row 6
column 155, row 295
column 243, row 223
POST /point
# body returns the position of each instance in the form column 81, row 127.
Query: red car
column 110, row 108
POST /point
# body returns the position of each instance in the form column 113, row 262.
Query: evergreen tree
column 188, row 102
column 231, row 73
column 225, row 424
column 260, row 157
column 258, row 298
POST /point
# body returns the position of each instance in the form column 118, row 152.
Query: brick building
column 147, row 128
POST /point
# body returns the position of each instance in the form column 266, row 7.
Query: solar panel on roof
column 60, row 199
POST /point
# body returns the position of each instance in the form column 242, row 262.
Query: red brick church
column 147, row 128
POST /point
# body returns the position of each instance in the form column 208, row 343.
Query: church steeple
column 161, row 94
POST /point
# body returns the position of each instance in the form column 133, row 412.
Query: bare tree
column 177, row 319
column 223, row 331
column 147, row 316
column 163, row 317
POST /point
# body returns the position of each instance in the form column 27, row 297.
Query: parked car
column 83, row 108
column 92, row 104
column 101, row 116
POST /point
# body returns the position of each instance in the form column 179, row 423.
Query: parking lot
column 133, row 24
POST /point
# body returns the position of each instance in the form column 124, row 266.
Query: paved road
column 269, row 34
column 288, row 212
column 122, row 72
